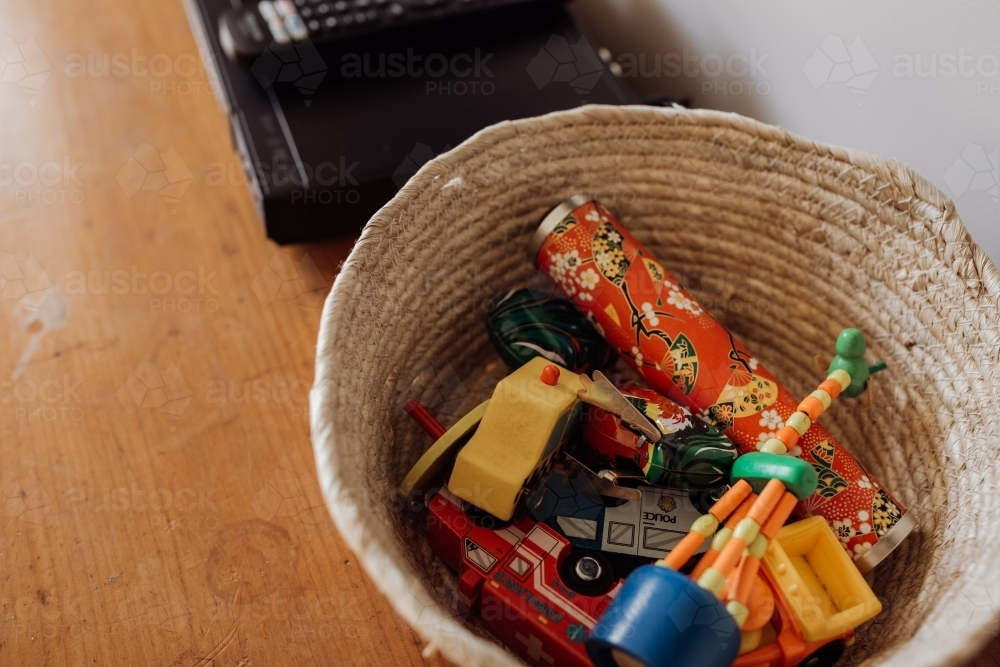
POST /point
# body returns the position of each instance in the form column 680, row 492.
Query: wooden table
column 158, row 501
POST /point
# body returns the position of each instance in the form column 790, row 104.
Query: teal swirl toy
column 524, row 324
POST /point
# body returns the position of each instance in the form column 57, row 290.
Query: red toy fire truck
column 513, row 578
column 543, row 598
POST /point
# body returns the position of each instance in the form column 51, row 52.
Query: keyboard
column 246, row 33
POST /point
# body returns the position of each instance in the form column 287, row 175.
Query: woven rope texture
column 784, row 240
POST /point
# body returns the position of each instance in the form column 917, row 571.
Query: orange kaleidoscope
column 683, row 352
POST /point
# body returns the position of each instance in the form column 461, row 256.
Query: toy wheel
column 660, row 617
column 483, row 518
column 825, row 656
column 587, row 572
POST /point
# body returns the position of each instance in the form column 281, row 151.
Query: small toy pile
column 700, row 516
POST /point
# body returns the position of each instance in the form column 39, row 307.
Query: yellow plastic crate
column 825, row 591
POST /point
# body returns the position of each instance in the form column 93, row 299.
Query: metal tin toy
column 524, row 324
column 690, row 455
column 682, row 352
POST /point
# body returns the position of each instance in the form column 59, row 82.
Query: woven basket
column 786, row 242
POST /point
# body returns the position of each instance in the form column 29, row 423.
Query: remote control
column 246, row 33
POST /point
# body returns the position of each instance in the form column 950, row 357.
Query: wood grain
column 159, row 503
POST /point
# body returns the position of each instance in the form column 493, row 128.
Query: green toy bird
column 850, row 357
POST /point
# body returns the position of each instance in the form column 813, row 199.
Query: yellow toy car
column 533, row 413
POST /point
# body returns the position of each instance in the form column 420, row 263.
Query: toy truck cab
column 497, row 450
column 514, row 578
column 534, row 411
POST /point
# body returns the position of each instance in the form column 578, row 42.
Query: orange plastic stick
column 779, row 516
column 730, row 582
column 730, row 556
column 768, row 500
column 741, row 511
column 730, row 500
column 684, row 550
column 742, row 584
column 689, row 546
column 761, row 510
column 706, row 562
column 709, row 556
column 760, row 604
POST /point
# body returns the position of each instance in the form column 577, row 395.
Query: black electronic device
column 245, row 33
column 327, row 134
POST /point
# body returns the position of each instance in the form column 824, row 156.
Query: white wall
column 836, row 72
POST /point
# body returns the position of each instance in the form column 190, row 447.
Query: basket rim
column 942, row 208
column 389, row 576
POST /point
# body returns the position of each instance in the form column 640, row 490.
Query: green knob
column 850, row 357
column 759, row 468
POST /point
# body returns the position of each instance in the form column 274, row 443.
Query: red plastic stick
column 424, row 418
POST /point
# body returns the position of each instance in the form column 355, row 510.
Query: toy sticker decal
column 534, row 647
column 658, row 539
column 512, row 534
column 520, row 566
column 650, row 527
column 542, row 539
column 479, row 556
column 585, row 529
column 621, row 534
